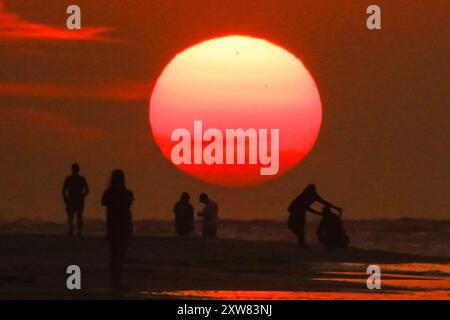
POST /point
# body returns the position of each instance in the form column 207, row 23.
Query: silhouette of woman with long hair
column 184, row 215
column 299, row 207
column 118, row 199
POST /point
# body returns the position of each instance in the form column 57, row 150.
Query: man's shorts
column 72, row 208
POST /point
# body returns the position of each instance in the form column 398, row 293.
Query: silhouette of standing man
column 118, row 199
column 75, row 189
column 299, row 207
column 209, row 215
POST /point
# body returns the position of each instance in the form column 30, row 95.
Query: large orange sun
column 237, row 82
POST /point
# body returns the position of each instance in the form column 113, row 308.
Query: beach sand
column 162, row 266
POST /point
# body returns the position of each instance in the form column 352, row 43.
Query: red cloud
column 13, row 27
column 123, row 92
column 28, row 119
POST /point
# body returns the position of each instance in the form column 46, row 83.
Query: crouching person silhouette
column 118, row 199
column 330, row 232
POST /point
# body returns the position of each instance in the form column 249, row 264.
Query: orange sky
column 66, row 96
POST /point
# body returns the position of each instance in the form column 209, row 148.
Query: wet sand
column 166, row 267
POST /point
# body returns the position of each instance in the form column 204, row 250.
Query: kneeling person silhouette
column 330, row 232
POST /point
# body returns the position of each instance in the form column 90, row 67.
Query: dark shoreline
column 34, row 266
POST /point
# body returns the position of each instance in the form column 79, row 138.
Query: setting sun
column 237, row 82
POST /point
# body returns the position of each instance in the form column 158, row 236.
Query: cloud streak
column 130, row 91
column 29, row 119
column 13, row 27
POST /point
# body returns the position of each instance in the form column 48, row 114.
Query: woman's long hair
column 117, row 179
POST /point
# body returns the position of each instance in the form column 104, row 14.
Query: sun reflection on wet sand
column 408, row 267
column 409, row 280
column 421, row 281
column 313, row 295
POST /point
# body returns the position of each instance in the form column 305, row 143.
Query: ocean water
column 411, row 236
